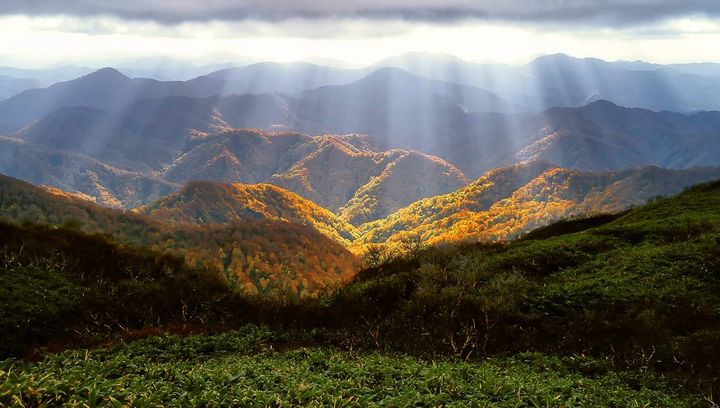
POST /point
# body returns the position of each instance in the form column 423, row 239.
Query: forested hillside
column 261, row 238
column 218, row 203
column 261, row 255
column 508, row 202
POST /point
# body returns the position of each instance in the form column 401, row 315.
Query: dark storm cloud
column 602, row 12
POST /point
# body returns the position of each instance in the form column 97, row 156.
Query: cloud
column 595, row 12
column 108, row 40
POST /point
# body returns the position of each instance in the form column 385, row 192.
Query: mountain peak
column 552, row 57
column 106, row 73
column 389, row 72
column 600, row 104
column 557, row 59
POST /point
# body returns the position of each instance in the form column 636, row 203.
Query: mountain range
column 547, row 81
column 162, row 143
column 425, row 147
column 144, row 124
column 261, row 238
column 10, row 86
column 333, row 171
column 565, row 81
column 96, row 180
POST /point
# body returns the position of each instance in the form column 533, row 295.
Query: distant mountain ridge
column 105, row 89
column 598, row 136
column 562, row 80
column 289, row 78
column 470, row 127
column 109, row 89
column 604, row 136
column 105, row 184
column 10, row 85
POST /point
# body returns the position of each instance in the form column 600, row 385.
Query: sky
column 41, row 33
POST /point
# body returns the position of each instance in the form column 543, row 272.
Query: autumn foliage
column 251, row 255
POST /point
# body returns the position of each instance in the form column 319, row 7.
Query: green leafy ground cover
column 241, row 368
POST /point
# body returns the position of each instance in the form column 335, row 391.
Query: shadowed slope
column 105, row 184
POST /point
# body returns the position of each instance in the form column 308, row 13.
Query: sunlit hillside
column 507, row 202
column 251, row 255
column 218, row 203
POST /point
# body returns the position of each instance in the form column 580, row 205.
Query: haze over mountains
column 417, row 144
column 473, row 128
column 561, row 80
